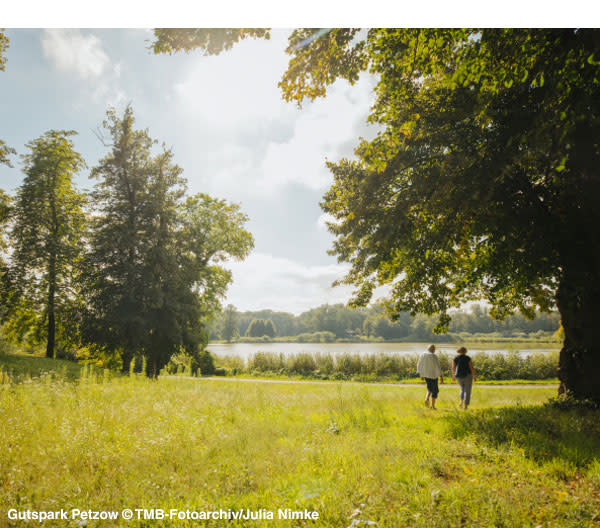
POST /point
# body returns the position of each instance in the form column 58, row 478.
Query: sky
column 223, row 116
column 229, row 129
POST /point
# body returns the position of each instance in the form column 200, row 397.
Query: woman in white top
column 429, row 369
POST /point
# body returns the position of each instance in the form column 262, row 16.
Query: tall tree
column 270, row 329
column 483, row 181
column 154, row 270
column 115, row 262
column 230, row 329
column 256, row 328
column 47, row 235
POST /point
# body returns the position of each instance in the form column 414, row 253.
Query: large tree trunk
column 578, row 300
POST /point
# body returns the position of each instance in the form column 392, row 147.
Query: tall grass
column 371, row 454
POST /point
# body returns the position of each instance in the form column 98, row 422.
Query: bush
column 203, row 363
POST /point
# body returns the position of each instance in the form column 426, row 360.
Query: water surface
column 248, row 349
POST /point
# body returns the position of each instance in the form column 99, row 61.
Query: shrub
column 203, row 363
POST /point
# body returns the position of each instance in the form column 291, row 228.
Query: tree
column 47, row 236
column 153, row 265
column 5, row 215
column 256, row 328
column 483, row 181
column 270, row 330
column 230, row 329
column 212, row 41
column 114, row 286
column 5, row 150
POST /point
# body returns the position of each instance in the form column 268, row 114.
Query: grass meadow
column 357, row 454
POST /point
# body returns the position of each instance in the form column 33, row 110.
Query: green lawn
column 20, row 366
column 350, row 452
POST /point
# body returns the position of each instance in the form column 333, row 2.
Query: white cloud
column 324, row 129
column 84, row 56
column 322, row 221
column 231, row 107
column 74, row 52
column 268, row 281
column 265, row 281
column 238, row 88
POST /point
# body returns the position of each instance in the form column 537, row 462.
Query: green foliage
column 482, row 182
column 270, row 330
column 3, row 47
column 203, row 363
column 230, row 330
column 256, row 328
column 153, row 273
column 5, row 150
column 211, row 41
column 431, row 204
column 115, row 263
column 47, row 239
column 337, row 322
column 260, row 328
column 319, row 57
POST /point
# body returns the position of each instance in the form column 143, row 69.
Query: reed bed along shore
column 369, row 367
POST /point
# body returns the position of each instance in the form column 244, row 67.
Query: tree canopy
column 211, row 41
column 483, row 180
column 153, row 273
column 47, row 237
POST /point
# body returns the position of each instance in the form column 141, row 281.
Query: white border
column 301, row 13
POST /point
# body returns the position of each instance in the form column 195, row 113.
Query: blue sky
column 229, row 129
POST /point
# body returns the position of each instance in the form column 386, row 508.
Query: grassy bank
column 19, row 366
column 351, row 453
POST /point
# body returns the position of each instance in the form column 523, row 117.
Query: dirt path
column 370, row 384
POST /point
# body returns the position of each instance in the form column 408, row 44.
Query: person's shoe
column 426, row 402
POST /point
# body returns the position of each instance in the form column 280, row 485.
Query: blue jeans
column 466, row 384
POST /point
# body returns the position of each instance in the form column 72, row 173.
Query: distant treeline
column 329, row 323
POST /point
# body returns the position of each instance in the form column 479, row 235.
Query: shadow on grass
column 544, row 432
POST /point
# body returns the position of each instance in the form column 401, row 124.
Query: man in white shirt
column 429, row 369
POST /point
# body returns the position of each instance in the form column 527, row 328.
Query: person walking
column 429, row 369
column 464, row 373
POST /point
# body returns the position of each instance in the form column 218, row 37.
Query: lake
column 248, row 349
